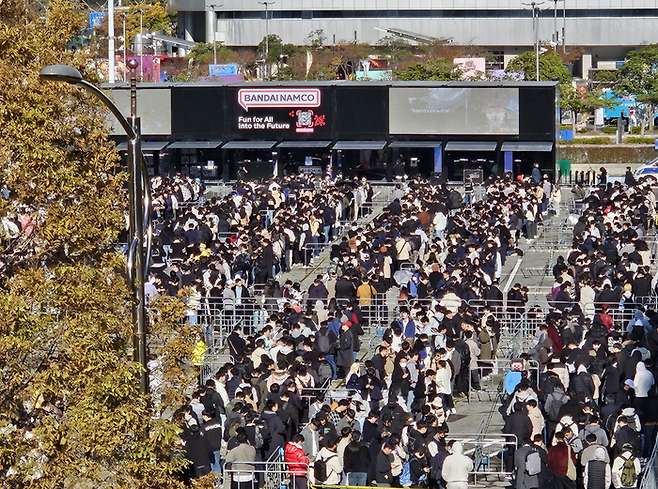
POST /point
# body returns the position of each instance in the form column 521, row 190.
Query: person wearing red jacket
column 555, row 338
column 297, row 461
column 557, row 461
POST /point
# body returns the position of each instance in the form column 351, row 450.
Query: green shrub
column 639, row 140
column 583, row 130
column 593, row 140
column 636, row 130
column 610, row 129
column 566, row 127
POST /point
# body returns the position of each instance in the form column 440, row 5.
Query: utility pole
column 214, row 32
column 534, row 6
column 564, row 27
column 267, row 34
column 110, row 41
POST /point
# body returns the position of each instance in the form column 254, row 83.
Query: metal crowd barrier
column 492, row 373
column 650, row 473
column 211, row 363
column 272, row 474
column 490, row 451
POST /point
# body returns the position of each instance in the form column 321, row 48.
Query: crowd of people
column 583, row 418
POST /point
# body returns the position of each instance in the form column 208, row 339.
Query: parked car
column 647, row 172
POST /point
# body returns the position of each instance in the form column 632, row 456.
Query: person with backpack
column 552, row 406
column 562, row 461
column 625, row 469
column 528, row 463
column 327, row 468
column 415, row 470
column 597, row 474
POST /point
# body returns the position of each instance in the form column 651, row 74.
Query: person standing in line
column 560, row 460
column 297, row 461
column 456, row 468
column 597, row 474
column 383, row 474
column 241, row 463
column 526, row 478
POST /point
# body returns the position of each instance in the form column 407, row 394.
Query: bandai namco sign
column 279, row 98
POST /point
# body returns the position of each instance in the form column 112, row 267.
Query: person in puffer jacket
column 297, row 461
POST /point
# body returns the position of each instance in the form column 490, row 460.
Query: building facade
column 605, row 29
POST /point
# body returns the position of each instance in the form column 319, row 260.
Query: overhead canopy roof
column 304, row 144
column 471, row 146
column 194, row 144
column 528, row 146
column 345, row 145
column 414, row 144
column 146, row 145
column 249, row 145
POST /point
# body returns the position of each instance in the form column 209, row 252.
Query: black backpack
column 320, row 469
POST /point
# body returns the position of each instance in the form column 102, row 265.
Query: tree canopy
column 551, row 67
column 71, row 414
column 439, row 69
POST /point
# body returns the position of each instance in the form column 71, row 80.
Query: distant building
column 606, row 29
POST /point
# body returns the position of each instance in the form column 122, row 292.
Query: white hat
column 230, row 282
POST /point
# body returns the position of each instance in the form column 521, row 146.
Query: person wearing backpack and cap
column 625, row 468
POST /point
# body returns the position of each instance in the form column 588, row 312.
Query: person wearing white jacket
column 618, row 467
column 643, row 380
column 333, row 463
column 456, row 468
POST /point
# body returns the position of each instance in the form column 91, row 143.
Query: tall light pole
column 267, row 33
column 534, row 6
column 140, row 200
column 564, row 27
column 214, row 32
column 110, row 41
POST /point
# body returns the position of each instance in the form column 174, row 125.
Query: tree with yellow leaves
column 71, row 413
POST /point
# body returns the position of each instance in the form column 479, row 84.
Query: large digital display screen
column 279, row 112
column 153, row 108
column 453, row 110
column 197, row 112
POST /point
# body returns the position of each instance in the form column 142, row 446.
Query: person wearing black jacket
column 383, row 474
column 400, row 380
column 198, row 451
column 518, row 424
column 356, row 460
column 276, row 428
column 237, row 344
column 345, row 288
column 212, row 431
column 419, row 468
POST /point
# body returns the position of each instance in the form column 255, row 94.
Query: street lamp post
column 534, row 6
column 214, row 32
column 110, row 41
column 267, row 34
column 140, row 200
